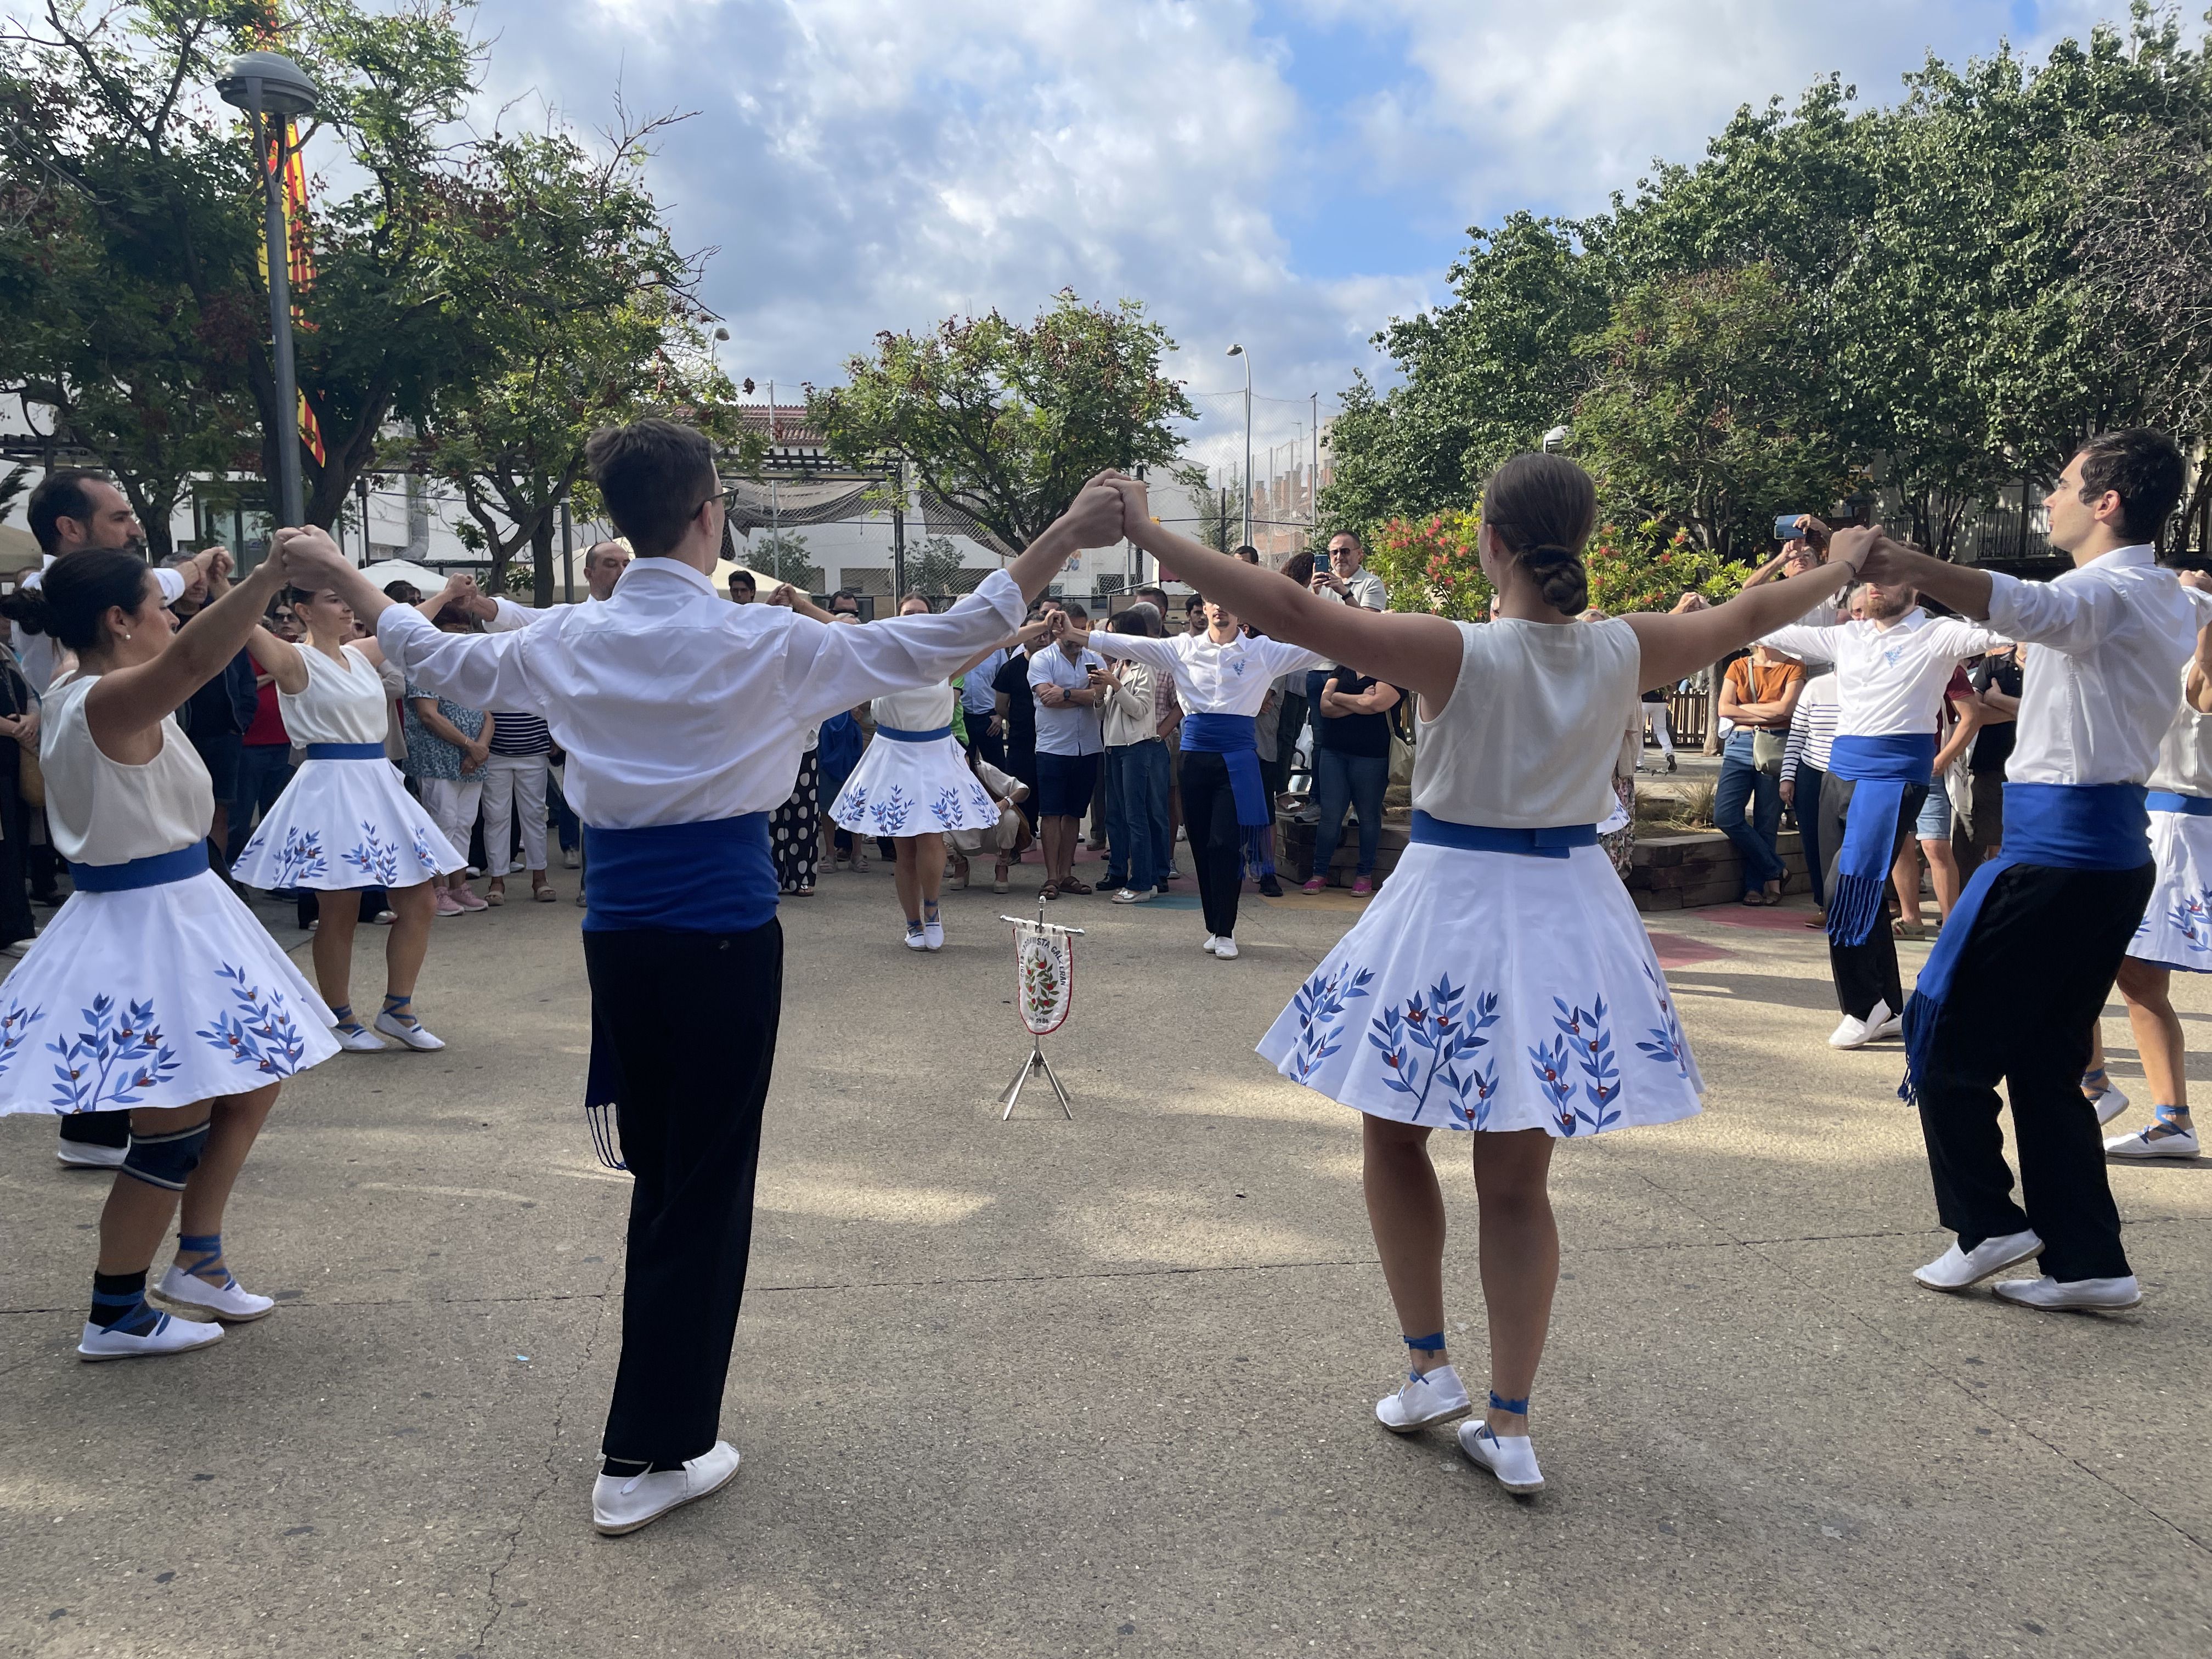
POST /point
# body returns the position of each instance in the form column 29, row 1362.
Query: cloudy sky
column 1290, row 175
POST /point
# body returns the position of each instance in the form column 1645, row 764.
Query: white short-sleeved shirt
column 1068, row 730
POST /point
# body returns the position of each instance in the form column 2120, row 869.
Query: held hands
column 781, row 594
column 1854, row 547
column 310, row 559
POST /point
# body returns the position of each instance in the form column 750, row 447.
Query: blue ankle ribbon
column 1881, row 769
column 2097, row 826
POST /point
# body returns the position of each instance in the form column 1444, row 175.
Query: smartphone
column 1786, row 528
column 1323, row 564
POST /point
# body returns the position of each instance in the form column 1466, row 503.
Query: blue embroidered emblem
column 1319, row 1005
column 945, row 809
column 1583, row 1040
column 300, row 857
column 1437, row 1028
column 375, row 856
column 1666, row 1041
column 890, row 811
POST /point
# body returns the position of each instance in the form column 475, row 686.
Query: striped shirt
column 1812, row 727
column 519, row 734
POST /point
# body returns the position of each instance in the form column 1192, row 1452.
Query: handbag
column 30, row 780
column 1767, row 749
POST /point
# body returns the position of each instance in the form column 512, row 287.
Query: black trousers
column 1217, row 841
column 693, row 1018
column 2031, row 976
column 1810, row 783
column 1866, row 974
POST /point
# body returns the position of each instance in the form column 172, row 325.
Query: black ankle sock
column 119, row 1303
column 621, row 1468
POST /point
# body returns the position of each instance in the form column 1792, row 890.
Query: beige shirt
column 1529, row 739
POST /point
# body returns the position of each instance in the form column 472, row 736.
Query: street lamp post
column 1239, row 351
column 274, row 92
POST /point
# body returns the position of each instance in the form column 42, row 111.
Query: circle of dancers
column 1501, row 986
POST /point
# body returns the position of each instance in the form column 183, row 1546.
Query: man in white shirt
column 1346, row 579
column 684, row 717
column 1067, row 679
column 2028, row 959
column 1222, row 678
column 1890, row 670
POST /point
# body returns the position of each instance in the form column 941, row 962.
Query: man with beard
column 1890, row 670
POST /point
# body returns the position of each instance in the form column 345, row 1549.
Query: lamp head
column 286, row 92
column 1234, row 351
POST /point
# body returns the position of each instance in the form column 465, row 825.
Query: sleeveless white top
column 2185, row 753
column 1530, row 737
column 923, row 710
column 102, row 811
column 340, row 705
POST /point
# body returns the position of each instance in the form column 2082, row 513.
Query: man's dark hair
column 61, row 495
column 1196, row 602
column 1248, row 553
column 2144, row 467
column 1354, row 534
column 1075, row 612
column 746, row 578
column 1130, row 621
column 844, row 596
column 1157, row 596
column 654, row 477
column 399, row 593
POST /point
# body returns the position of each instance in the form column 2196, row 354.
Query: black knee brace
column 165, row 1160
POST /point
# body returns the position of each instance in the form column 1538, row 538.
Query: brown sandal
column 1071, row 885
column 1049, row 891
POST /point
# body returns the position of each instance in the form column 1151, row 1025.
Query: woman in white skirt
column 1502, row 983
column 345, row 822
column 915, row 788
column 2176, row 932
column 153, row 990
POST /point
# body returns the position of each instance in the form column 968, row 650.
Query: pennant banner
column 1044, row 975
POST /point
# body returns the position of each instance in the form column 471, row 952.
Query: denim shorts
column 1934, row 823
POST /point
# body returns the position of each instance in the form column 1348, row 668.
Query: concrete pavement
column 1100, row 1388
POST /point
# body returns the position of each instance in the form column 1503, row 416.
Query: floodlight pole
column 289, row 489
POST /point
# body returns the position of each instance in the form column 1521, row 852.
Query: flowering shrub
column 1430, row 565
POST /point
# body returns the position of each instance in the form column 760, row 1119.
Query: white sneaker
column 232, row 1302
column 568, row 858
column 619, row 1506
column 77, row 1155
column 1438, row 1396
column 415, row 1033
column 1132, row 896
column 932, row 936
column 1878, row 1026
column 2109, row 1105
column 2159, row 1140
column 1211, row 941
column 2084, row 1293
column 1224, row 948
column 916, row 938
column 1511, row 1458
column 168, row 1335
column 360, row 1039
column 1959, row 1270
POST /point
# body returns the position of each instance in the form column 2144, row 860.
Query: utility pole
column 361, row 495
column 1239, row 351
column 898, row 535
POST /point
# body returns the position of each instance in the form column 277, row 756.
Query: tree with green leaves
column 933, row 564
column 1706, row 414
column 1006, row 422
column 591, row 319
column 783, row 554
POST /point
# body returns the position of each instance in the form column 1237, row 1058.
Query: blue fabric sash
column 2166, row 800
column 1234, row 737
column 158, row 869
column 714, row 876
column 2097, row 826
column 345, row 751
column 896, row 735
column 1882, row 768
column 1550, row 843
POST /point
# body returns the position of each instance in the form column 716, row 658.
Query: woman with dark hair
column 345, row 823
column 153, row 989
column 914, row 785
column 1502, row 983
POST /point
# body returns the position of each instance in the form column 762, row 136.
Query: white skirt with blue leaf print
column 155, row 997
column 2176, row 930
column 913, row 789
column 1494, row 991
column 345, row 824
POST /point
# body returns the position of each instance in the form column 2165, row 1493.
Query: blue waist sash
column 345, row 751
column 896, row 735
column 1233, row 736
column 2166, row 800
column 715, row 877
column 2094, row 826
column 158, row 871
column 1882, row 768
column 1548, row 843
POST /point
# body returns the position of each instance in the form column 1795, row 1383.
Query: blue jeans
column 1741, row 784
column 1355, row 779
column 1137, row 812
column 562, row 815
column 264, row 770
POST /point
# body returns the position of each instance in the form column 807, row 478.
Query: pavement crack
column 495, row 1607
